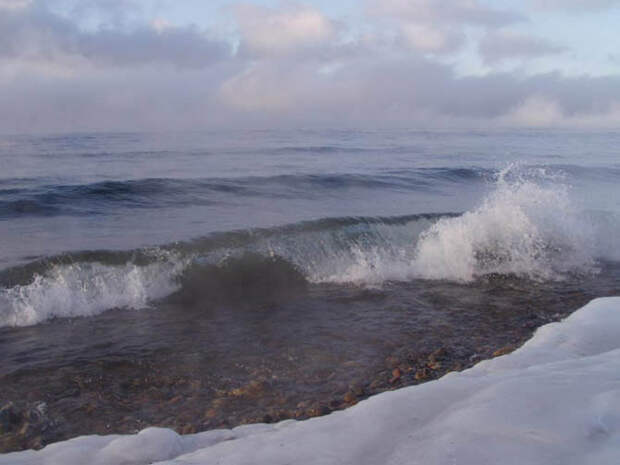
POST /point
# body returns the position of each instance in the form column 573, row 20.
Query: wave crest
column 527, row 226
column 88, row 288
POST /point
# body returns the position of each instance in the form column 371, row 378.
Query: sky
column 128, row 65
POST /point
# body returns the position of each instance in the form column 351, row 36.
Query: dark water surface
column 205, row 280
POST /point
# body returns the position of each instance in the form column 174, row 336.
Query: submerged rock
column 26, row 425
column 8, row 418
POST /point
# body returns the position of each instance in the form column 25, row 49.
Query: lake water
column 200, row 280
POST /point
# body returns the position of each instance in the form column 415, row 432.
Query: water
column 198, row 280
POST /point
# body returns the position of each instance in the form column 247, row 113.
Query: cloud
column 104, row 13
column 14, row 4
column 378, row 90
column 575, row 4
column 186, row 47
column 366, row 91
column 439, row 27
column 149, row 97
column 293, row 66
column 498, row 46
column 536, row 111
column 432, row 39
column 36, row 33
column 470, row 12
column 290, row 28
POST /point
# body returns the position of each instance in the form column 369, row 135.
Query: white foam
column 384, row 253
column 88, row 288
column 528, row 226
column 554, row 400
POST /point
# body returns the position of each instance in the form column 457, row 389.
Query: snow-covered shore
column 556, row 400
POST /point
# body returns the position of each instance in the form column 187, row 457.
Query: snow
column 556, row 400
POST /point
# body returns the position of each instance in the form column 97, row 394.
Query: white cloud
column 438, row 27
column 431, row 39
column 536, row 111
column 539, row 111
column 161, row 25
column 271, row 31
column 14, row 4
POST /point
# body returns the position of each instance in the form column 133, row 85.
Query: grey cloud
column 36, row 33
column 150, row 97
column 569, row 5
column 106, row 13
column 498, row 46
column 439, row 27
column 411, row 91
column 470, row 12
column 363, row 82
column 365, row 92
column 498, row 94
column 179, row 46
column 434, row 89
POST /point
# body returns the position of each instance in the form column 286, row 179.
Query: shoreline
column 114, row 397
column 514, row 407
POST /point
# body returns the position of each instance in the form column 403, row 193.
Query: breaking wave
column 88, row 288
column 527, row 227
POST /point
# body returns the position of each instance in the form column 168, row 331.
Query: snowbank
column 556, row 400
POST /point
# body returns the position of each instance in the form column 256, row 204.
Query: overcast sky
column 96, row 65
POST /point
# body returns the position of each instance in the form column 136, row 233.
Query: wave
column 28, row 197
column 102, row 197
column 88, row 288
column 527, row 227
column 254, row 264
column 319, row 149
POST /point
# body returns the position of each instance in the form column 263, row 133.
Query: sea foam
column 88, row 288
column 528, row 226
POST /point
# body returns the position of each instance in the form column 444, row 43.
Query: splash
column 88, row 288
column 527, row 227
column 363, row 254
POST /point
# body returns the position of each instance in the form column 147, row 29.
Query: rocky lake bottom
column 200, row 366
